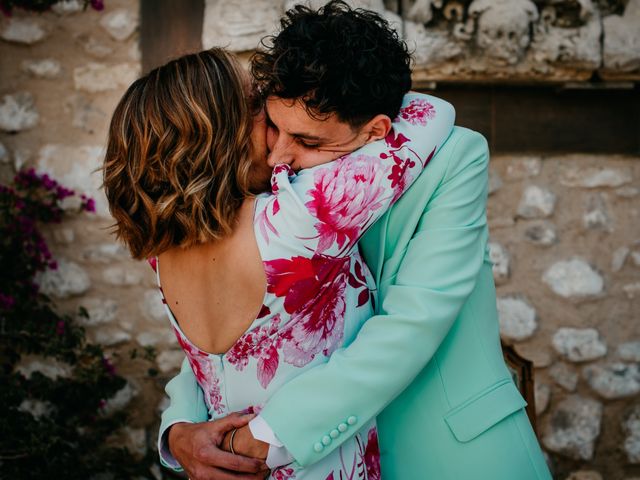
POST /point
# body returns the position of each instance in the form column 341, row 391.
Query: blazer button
column 334, row 433
column 318, row 447
column 342, row 427
column 326, row 440
column 352, row 420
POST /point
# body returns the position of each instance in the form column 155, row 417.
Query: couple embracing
column 319, row 238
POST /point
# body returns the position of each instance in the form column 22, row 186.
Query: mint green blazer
column 429, row 364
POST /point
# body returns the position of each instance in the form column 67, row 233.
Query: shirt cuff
column 278, row 454
column 166, row 458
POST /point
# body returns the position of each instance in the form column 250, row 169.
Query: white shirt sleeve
column 278, row 454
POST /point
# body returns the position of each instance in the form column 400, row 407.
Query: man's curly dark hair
column 337, row 60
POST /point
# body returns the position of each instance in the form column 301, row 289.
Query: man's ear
column 377, row 128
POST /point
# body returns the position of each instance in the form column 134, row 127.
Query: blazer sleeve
column 439, row 271
column 186, row 404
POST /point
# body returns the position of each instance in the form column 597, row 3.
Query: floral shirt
column 319, row 291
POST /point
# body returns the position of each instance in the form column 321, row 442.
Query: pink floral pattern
column 204, row 372
column 261, row 343
column 372, row 455
column 344, row 198
column 317, row 287
column 418, row 112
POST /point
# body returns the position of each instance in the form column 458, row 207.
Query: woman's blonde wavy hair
column 177, row 164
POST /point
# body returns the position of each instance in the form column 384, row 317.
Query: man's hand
column 245, row 444
column 197, row 447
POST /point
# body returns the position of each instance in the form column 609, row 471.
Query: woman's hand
column 244, row 444
column 197, row 447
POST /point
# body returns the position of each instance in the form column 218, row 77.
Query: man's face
column 296, row 138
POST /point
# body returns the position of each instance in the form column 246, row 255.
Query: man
column 429, row 365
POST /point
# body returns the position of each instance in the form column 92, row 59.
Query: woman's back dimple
column 215, row 290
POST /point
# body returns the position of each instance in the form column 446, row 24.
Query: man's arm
column 437, row 274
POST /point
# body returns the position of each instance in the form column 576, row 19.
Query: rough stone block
column 517, row 318
column 18, row 112
column 68, row 280
column 573, row 278
column 574, row 427
column 579, row 344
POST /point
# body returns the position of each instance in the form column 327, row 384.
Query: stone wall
column 564, row 229
column 62, row 74
column 476, row 40
column 564, row 240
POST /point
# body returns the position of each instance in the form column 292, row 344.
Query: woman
column 264, row 286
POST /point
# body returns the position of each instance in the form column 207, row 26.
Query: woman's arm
column 326, row 209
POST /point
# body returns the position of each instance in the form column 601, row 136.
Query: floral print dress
column 319, row 291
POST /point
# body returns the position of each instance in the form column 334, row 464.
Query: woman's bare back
column 215, row 290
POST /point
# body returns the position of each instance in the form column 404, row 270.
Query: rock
column 120, row 400
column 45, row 68
column 579, row 344
column 23, row 30
column 84, row 114
column 164, row 337
column 565, row 376
column 37, row 408
column 239, row 25
column 631, row 428
column 47, row 366
column 67, row 7
column 628, row 192
column 524, row 167
column 170, row 360
column 120, row 23
column 517, row 318
column 536, row 202
column 619, row 257
column 77, row 168
column 152, row 305
column 17, row 112
column 4, row 154
column 500, row 259
column 573, row 278
column 109, row 336
column 134, row 53
column 595, row 177
column 105, row 253
column 98, row 77
column 495, row 182
column 542, row 234
column 100, row 310
column 615, row 380
column 20, row 158
column 574, row 427
column 596, row 216
column 135, row 441
column 621, row 49
column 584, row 475
column 68, row 280
column 94, row 47
column 542, row 393
column 121, row 276
column 631, row 290
column 629, row 351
